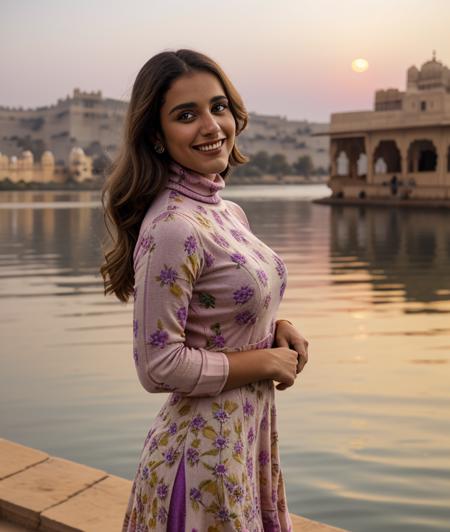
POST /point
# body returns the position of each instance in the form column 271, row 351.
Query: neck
column 204, row 188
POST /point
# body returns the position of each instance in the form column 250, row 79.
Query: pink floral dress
column 205, row 285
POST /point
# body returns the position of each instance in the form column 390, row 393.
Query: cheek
column 178, row 138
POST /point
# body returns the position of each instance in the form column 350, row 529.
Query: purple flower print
column 161, row 217
column 209, row 259
column 173, row 194
column 195, row 494
column 202, row 209
column 145, row 473
column 238, row 494
column 251, row 436
column 167, row 276
column 264, row 420
column 238, row 235
column 238, row 259
column 238, row 447
column 249, row 409
column 259, row 255
column 192, row 456
column 135, row 328
column 147, row 242
column 176, row 397
column 250, row 467
column 220, row 470
column 159, row 339
column 282, row 288
column 281, row 270
column 135, row 356
column 172, row 207
column 267, row 301
column 218, row 218
column 162, row 490
column 221, row 442
column 172, row 429
column 162, row 515
column 190, row 245
column 198, row 422
column 263, row 458
column 219, row 239
column 217, row 341
column 153, row 445
column 245, row 317
column 223, row 514
column 274, row 495
column 221, row 415
column 242, row 295
column 182, row 316
column 262, row 276
column 170, row 456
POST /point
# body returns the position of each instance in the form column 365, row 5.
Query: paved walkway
column 38, row 491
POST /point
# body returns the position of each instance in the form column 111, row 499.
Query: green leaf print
column 211, row 452
column 230, row 406
column 187, row 272
column 176, row 290
column 184, row 410
column 164, row 440
column 153, row 479
column 207, row 300
column 196, row 443
column 238, row 426
column 194, row 262
column 209, row 433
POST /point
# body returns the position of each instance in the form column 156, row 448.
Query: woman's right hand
column 283, row 363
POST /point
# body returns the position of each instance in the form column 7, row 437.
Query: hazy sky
column 286, row 57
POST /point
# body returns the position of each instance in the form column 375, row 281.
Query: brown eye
column 186, row 116
column 219, row 107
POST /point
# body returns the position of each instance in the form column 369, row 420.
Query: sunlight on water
column 365, row 433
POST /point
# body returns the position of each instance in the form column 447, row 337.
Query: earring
column 159, row 148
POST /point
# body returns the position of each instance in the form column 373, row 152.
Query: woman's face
column 197, row 124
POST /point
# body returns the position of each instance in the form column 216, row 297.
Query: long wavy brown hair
column 139, row 173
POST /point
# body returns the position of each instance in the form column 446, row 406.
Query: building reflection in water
column 408, row 249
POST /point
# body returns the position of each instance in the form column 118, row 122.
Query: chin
column 213, row 167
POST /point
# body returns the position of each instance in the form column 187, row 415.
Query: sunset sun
column 360, row 65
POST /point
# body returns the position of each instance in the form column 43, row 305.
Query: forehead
column 198, row 87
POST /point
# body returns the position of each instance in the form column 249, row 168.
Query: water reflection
column 401, row 249
column 365, row 432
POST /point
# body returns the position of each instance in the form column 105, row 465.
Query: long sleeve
column 168, row 261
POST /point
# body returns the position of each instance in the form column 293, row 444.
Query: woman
column 206, row 292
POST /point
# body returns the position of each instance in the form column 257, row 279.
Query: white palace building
column 401, row 149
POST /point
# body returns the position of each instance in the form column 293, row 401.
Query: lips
column 210, row 146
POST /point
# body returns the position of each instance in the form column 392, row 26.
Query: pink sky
column 287, row 57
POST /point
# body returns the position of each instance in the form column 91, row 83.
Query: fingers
column 282, row 342
column 302, row 350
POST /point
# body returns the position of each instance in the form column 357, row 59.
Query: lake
column 365, row 431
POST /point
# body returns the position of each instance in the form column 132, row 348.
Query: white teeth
column 210, row 147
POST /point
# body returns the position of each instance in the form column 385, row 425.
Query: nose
column 209, row 125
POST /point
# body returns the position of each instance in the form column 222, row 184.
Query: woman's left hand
column 286, row 335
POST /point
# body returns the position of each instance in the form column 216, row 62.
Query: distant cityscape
column 75, row 140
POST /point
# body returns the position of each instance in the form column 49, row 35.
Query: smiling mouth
column 210, row 147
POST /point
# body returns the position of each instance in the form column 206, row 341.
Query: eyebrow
column 190, row 105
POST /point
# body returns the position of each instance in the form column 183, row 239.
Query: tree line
column 262, row 163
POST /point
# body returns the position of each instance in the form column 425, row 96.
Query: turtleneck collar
column 195, row 185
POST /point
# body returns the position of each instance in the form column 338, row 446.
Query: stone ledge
column 39, row 492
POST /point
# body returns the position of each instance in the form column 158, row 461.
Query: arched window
column 342, row 164
column 422, row 156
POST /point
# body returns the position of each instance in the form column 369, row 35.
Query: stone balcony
column 49, row 494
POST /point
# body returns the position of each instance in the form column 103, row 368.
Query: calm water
column 365, row 433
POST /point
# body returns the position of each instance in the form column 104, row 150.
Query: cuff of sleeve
column 213, row 376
